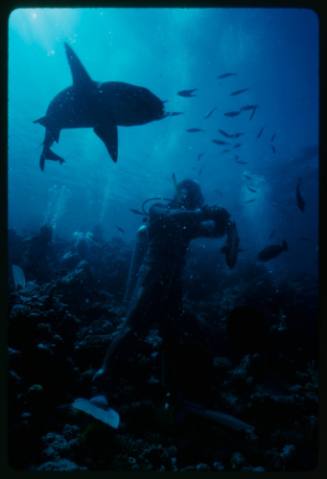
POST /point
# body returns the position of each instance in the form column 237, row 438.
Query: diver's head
column 188, row 195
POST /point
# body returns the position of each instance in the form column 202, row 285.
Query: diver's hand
column 216, row 213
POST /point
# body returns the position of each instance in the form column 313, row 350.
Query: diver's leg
column 136, row 322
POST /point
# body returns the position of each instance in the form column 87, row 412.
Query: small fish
column 224, row 133
column 136, row 212
column 237, row 145
column 208, row 115
column 218, row 192
column 194, row 130
column 250, row 188
column 119, row 228
column 260, row 132
column 299, row 198
column 226, row 151
column 231, row 114
column 253, row 112
column 187, row 93
column 273, row 149
column 200, row 171
column 200, row 155
column 249, row 107
column 231, row 247
column 237, row 135
column 175, row 113
column 273, row 137
column 272, row 251
column 250, row 201
column 173, row 177
column 241, row 162
column 248, row 177
column 226, row 75
column 238, row 92
column 220, row 142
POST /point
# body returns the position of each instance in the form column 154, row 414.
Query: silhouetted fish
column 253, row 112
column 237, row 145
column 187, row 93
column 248, row 177
column 239, row 92
column 250, row 188
column 208, row 115
column 299, row 198
column 174, row 179
column 119, row 228
column 218, row 192
column 237, row 135
column 241, row 162
column 249, row 107
column 272, row 251
column 273, row 137
column 224, row 133
column 200, row 155
column 231, row 114
column 260, row 132
column 226, row 151
column 136, row 212
column 220, row 142
column 175, row 113
column 273, row 149
column 250, row 201
column 194, row 130
column 226, row 75
column 305, row 238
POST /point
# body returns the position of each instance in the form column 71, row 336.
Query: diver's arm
column 182, row 216
column 215, row 222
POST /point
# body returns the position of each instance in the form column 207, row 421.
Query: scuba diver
column 154, row 286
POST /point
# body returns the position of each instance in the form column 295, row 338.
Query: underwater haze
column 220, row 368
column 274, row 53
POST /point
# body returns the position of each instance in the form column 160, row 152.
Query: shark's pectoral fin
column 109, row 135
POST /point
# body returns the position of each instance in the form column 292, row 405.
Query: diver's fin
column 81, row 78
column 19, row 276
column 93, row 407
column 42, row 120
column 219, row 417
column 109, row 135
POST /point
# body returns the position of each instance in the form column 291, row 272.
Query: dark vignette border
column 5, row 9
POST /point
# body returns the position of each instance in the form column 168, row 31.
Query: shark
column 101, row 106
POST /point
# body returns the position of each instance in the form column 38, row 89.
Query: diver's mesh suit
column 158, row 296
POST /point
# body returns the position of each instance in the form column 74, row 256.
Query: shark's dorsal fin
column 81, row 78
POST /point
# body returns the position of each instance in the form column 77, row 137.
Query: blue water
column 274, row 53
